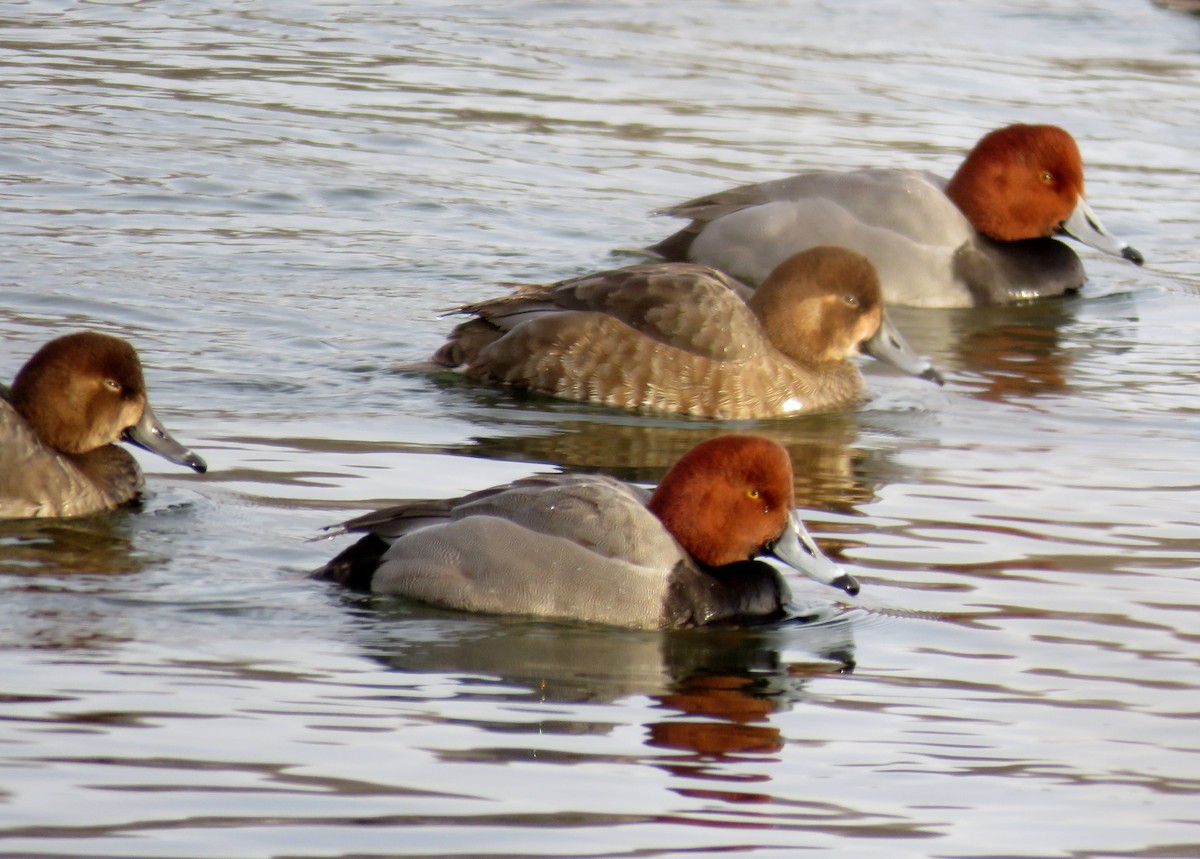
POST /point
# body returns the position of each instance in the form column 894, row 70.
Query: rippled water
column 275, row 202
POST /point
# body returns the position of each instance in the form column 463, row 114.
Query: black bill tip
column 847, row 583
column 1133, row 255
column 932, row 375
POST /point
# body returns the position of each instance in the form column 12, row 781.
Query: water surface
column 276, row 203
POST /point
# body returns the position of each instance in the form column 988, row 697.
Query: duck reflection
column 737, row 700
column 741, row 713
column 50, row 562
column 734, row 678
column 1012, row 351
column 829, row 470
column 101, row 544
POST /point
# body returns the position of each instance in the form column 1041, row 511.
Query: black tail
column 675, row 247
column 355, row 566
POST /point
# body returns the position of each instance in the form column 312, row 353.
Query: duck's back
column 36, row 480
column 907, row 202
column 673, row 338
column 583, row 547
column 926, row 251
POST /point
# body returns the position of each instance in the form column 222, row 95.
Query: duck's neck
column 112, row 471
column 960, row 192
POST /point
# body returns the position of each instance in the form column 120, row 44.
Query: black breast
column 745, row 592
column 1003, row 272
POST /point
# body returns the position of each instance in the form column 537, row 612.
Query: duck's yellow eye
column 1047, row 177
column 113, row 385
column 752, row 493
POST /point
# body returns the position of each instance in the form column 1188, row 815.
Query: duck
column 60, row 421
column 591, row 548
column 684, row 338
column 984, row 237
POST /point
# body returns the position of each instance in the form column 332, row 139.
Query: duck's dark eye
column 851, row 300
column 1047, row 177
column 113, row 385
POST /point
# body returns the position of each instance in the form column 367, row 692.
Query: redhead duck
column 591, row 548
column 981, row 238
column 683, row 338
column 58, row 423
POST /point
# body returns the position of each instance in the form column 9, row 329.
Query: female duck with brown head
column 59, row 422
column 684, row 338
column 591, row 548
column 981, row 238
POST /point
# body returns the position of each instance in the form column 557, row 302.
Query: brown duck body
column 682, row 337
column 59, row 424
column 36, row 480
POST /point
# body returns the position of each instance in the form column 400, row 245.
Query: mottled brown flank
column 680, row 338
column 1001, row 186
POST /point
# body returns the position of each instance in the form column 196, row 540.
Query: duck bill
column 1083, row 225
column 888, row 346
column 796, row 548
column 149, row 433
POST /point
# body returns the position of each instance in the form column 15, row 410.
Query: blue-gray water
column 275, row 202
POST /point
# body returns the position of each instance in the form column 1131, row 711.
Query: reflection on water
column 561, row 662
column 824, row 458
column 1020, row 352
column 99, row 544
column 712, row 691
